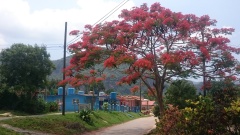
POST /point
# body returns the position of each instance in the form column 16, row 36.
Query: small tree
column 178, row 92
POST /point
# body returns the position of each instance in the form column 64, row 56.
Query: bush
column 170, row 122
column 105, row 106
column 31, row 105
column 201, row 117
column 85, row 115
column 8, row 100
column 52, row 107
column 233, row 114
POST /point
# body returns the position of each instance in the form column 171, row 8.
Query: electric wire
column 101, row 19
column 111, row 12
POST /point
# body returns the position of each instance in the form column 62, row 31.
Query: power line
column 101, row 19
column 111, row 12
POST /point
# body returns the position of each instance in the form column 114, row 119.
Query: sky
column 42, row 22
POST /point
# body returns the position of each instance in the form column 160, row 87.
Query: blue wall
column 86, row 99
column 69, row 105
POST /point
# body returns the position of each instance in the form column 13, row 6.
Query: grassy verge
column 4, row 131
column 71, row 123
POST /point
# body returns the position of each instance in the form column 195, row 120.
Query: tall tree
column 149, row 40
column 213, row 51
column 24, row 67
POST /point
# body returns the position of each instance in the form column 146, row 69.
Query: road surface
column 139, row 126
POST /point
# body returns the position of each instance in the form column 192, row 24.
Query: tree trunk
column 160, row 103
column 160, row 88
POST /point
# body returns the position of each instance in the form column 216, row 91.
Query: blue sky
column 42, row 22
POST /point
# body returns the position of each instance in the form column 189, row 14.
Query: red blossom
column 207, row 85
column 99, row 79
column 168, row 21
column 162, row 47
column 156, row 7
column 92, row 71
column 134, row 89
column 205, row 52
column 143, row 63
column 233, row 78
column 172, row 58
column 130, row 78
column 74, row 32
column 110, row 62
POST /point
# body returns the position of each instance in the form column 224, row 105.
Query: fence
column 84, row 106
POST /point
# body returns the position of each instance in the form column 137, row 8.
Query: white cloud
column 3, row 43
column 21, row 24
column 93, row 12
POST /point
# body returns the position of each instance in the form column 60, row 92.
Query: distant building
column 75, row 101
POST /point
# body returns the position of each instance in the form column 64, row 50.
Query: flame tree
column 215, row 55
column 151, row 43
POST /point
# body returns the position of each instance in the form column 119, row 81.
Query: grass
column 71, row 122
column 4, row 131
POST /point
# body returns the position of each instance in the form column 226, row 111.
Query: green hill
column 109, row 83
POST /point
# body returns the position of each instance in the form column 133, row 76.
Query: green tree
column 25, row 68
column 52, row 85
column 223, row 93
column 179, row 91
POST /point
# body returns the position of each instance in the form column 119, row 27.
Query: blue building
column 75, row 101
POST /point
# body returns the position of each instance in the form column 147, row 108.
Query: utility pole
column 64, row 66
column 140, row 95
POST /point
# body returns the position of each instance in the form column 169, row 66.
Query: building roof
column 150, row 103
column 129, row 97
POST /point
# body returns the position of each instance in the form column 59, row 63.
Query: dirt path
column 139, row 126
column 27, row 132
column 19, row 130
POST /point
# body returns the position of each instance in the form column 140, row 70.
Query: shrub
column 233, row 114
column 85, row 115
column 223, row 92
column 105, row 106
column 52, row 106
column 31, row 105
column 170, row 122
column 8, row 100
column 201, row 117
column 205, row 116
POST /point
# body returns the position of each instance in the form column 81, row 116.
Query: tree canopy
column 179, row 91
column 24, row 67
column 155, row 43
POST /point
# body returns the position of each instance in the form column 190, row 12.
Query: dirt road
column 139, row 126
